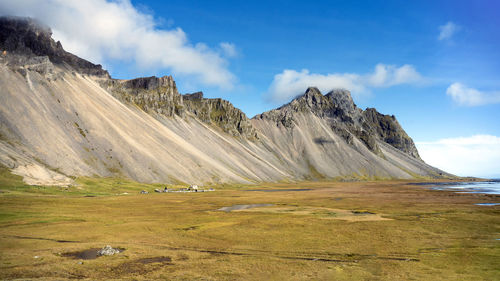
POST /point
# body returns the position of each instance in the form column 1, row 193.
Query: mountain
column 327, row 136
column 63, row 117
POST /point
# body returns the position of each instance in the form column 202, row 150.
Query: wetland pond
column 243, row 207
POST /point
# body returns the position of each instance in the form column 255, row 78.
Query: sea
column 485, row 187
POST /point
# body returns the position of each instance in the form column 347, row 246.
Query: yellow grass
column 324, row 213
column 336, row 231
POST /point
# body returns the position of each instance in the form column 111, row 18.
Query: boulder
column 108, row 251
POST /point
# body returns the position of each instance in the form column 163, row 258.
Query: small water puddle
column 243, row 207
column 88, row 254
column 487, row 204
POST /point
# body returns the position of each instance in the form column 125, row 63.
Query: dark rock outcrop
column 198, row 96
column 29, row 38
column 387, row 128
column 149, row 83
column 151, row 94
column 220, row 113
column 160, row 96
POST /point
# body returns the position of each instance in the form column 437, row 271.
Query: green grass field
column 384, row 230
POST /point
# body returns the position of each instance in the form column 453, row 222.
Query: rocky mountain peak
column 312, row 98
column 343, row 116
column 29, row 38
column 342, row 99
column 311, row 93
column 335, row 102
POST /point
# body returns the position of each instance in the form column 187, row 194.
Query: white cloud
column 228, row 49
column 448, row 30
column 101, row 30
column 477, row 155
column 291, row 83
column 464, row 95
column 390, row 75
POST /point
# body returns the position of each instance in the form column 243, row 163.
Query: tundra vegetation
column 323, row 230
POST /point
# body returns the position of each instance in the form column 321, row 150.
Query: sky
column 435, row 65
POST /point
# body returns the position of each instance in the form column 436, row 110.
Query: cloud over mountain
column 290, row 82
column 100, row 31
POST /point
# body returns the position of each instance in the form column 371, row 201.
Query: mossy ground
column 432, row 235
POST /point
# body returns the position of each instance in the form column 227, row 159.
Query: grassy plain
column 382, row 230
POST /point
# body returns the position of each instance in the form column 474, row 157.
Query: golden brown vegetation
column 421, row 234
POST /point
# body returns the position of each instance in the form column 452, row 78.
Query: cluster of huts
column 191, row 188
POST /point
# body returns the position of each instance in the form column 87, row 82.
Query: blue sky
column 433, row 64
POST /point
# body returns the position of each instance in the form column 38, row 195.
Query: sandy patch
column 34, row 174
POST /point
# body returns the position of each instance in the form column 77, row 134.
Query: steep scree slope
column 63, row 116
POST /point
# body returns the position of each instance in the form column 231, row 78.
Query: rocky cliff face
column 387, row 128
column 29, row 38
column 151, row 94
column 63, row 116
column 29, row 46
column 345, row 119
column 160, row 96
column 222, row 114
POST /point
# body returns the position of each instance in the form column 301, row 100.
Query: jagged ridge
column 160, row 96
column 345, row 119
column 27, row 37
column 145, row 130
column 221, row 113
